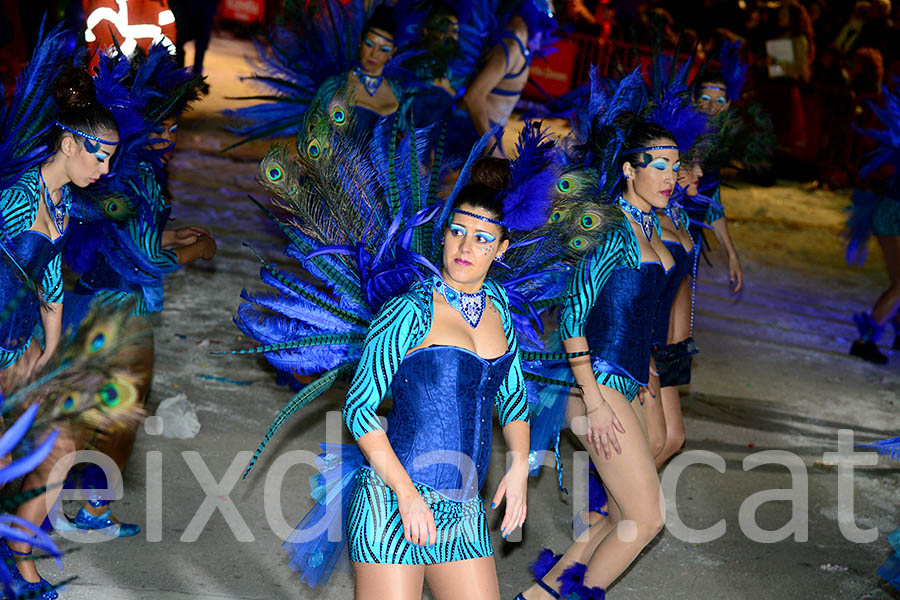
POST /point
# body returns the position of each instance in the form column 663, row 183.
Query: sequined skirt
column 375, row 529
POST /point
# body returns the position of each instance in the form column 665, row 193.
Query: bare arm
column 51, row 319
column 735, row 271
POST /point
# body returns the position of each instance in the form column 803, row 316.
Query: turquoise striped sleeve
column 715, row 210
column 512, row 400
column 393, row 332
column 148, row 236
column 18, row 204
column 52, row 281
column 589, row 278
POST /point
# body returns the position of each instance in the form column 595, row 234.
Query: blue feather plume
column 889, row 447
column 733, row 69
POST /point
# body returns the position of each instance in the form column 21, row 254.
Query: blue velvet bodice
column 619, row 326
column 440, row 425
column 684, row 260
column 33, row 251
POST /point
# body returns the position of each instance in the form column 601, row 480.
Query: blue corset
column 619, row 327
column 34, row 251
column 440, row 425
column 365, row 120
column 683, row 262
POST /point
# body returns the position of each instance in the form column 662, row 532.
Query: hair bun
column 74, row 89
column 626, row 120
column 491, row 172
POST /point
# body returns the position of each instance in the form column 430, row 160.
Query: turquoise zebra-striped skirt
column 375, row 529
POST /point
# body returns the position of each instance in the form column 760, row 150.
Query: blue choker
column 370, row 82
column 673, row 211
column 58, row 212
column 644, row 219
column 470, row 306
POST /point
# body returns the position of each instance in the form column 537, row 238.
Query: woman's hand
column 602, row 424
column 735, row 273
column 418, row 522
column 207, row 246
column 514, row 488
column 184, row 236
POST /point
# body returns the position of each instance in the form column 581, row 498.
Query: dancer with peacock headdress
column 56, row 133
column 876, row 209
column 673, row 347
column 126, row 260
column 328, row 66
column 608, row 312
column 443, row 340
column 744, row 137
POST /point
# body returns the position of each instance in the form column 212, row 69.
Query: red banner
column 554, row 72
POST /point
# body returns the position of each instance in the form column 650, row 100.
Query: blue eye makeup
column 457, row 229
column 660, row 164
column 370, row 43
column 706, row 97
column 485, row 238
column 720, row 100
column 386, row 49
column 676, row 166
column 173, row 128
column 94, row 148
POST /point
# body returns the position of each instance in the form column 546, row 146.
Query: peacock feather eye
column 68, row 404
column 97, row 342
column 109, row 395
column 564, row 185
column 339, row 116
column 275, row 174
column 313, row 149
column 589, row 221
column 577, row 243
column 113, row 207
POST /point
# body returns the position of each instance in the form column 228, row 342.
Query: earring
column 498, row 258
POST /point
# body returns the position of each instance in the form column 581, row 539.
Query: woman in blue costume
column 609, row 310
column 443, row 341
column 494, row 91
column 320, row 76
column 714, row 96
column 674, row 109
column 35, row 211
column 125, row 261
column 877, row 210
column 446, row 348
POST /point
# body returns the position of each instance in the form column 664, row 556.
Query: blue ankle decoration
column 21, row 587
column 104, row 524
column 572, row 585
column 869, row 331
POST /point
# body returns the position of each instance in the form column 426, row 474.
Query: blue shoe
column 22, row 588
column 546, row 560
column 102, row 523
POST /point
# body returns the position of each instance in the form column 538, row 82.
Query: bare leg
column 679, row 330
column 635, row 513
column 35, row 510
column 887, row 303
column 380, row 582
column 656, row 422
column 474, row 579
column 671, row 405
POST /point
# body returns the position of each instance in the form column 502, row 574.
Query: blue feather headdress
column 733, row 69
column 674, row 109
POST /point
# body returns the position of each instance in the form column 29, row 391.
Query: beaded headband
column 85, row 135
column 714, row 87
column 479, row 217
column 649, row 148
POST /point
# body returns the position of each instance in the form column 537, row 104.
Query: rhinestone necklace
column 470, row 306
column 644, row 219
column 58, row 212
